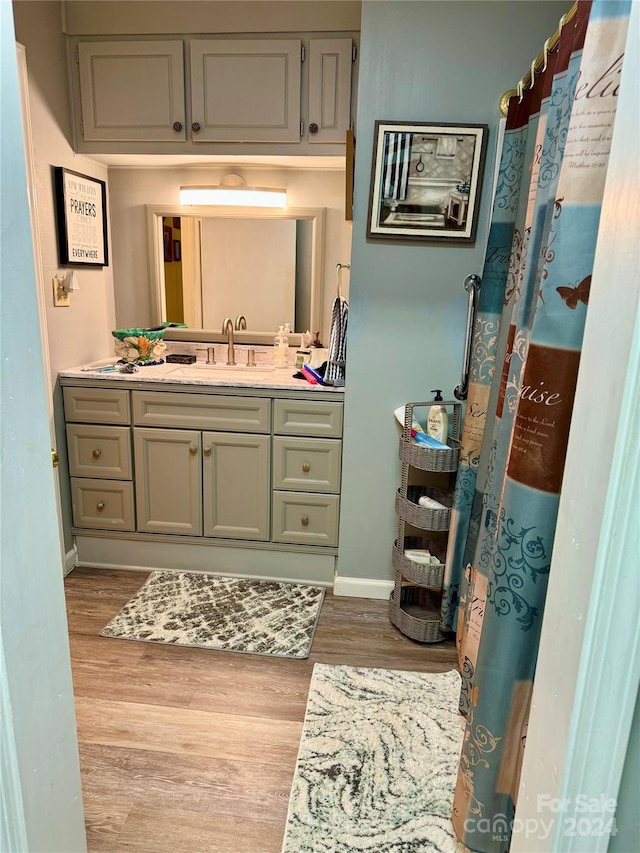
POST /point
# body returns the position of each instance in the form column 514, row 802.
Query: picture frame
column 167, row 240
column 177, row 251
column 81, row 212
column 426, row 181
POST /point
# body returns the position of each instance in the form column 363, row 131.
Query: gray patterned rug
column 377, row 763
column 229, row 614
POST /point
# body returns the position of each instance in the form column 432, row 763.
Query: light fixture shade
column 233, row 191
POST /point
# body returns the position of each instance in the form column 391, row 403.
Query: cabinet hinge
column 77, row 55
column 302, row 53
column 301, row 129
column 81, row 127
column 354, row 52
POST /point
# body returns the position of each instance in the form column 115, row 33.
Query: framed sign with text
column 81, row 208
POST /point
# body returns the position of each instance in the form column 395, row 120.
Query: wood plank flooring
column 193, row 751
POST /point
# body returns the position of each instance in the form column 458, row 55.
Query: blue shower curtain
column 521, row 390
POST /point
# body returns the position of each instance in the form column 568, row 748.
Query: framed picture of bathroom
column 81, row 212
column 426, row 181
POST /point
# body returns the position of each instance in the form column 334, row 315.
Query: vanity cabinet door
column 245, row 90
column 168, row 485
column 236, row 470
column 132, row 90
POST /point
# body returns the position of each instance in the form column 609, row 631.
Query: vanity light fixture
column 233, row 190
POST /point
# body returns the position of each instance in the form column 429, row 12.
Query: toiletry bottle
column 285, row 337
column 278, row 349
column 438, row 420
column 418, row 434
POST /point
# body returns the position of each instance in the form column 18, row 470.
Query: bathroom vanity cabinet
column 240, row 90
column 193, row 465
column 414, row 605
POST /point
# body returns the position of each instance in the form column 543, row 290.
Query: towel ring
column 339, row 268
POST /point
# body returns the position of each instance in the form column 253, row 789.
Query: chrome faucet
column 241, row 322
column 228, row 331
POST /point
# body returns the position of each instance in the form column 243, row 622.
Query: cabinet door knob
column 195, row 126
column 97, row 453
column 100, row 506
column 313, row 127
column 177, row 126
column 207, row 451
column 306, row 467
column 305, row 520
column 193, row 450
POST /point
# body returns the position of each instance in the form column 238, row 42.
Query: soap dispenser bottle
column 438, row 420
column 279, row 353
column 285, row 343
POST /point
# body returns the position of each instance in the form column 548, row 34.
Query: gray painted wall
column 432, row 62
column 42, row 801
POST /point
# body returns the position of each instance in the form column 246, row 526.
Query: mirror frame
column 155, row 214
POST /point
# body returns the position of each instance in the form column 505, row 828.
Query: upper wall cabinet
column 132, row 90
column 245, row 90
column 211, row 96
column 330, row 62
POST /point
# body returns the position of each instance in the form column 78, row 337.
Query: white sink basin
column 211, row 371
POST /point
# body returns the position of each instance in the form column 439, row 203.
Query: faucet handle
column 251, row 358
column 211, row 354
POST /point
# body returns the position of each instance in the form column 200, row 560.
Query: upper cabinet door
column 330, row 62
column 132, row 90
column 245, row 90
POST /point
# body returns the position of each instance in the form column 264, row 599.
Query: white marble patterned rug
column 377, row 764
column 229, row 614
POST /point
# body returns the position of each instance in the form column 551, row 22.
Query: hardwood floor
column 193, row 751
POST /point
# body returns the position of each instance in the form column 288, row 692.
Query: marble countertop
column 200, row 374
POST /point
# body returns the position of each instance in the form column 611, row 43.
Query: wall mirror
column 262, row 265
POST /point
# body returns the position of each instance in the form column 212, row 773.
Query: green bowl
column 140, row 346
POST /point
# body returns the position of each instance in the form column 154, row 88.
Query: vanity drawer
column 201, row 411
column 99, row 451
column 103, row 504
column 302, row 519
column 307, row 417
column 307, row 464
column 97, row 405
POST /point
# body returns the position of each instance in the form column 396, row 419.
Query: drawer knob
column 306, row 467
column 97, row 453
column 193, row 450
column 100, row 506
column 305, row 520
column 195, row 126
column 177, row 126
column 207, row 451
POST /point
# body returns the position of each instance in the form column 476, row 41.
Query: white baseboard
column 362, row 587
column 70, row 560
